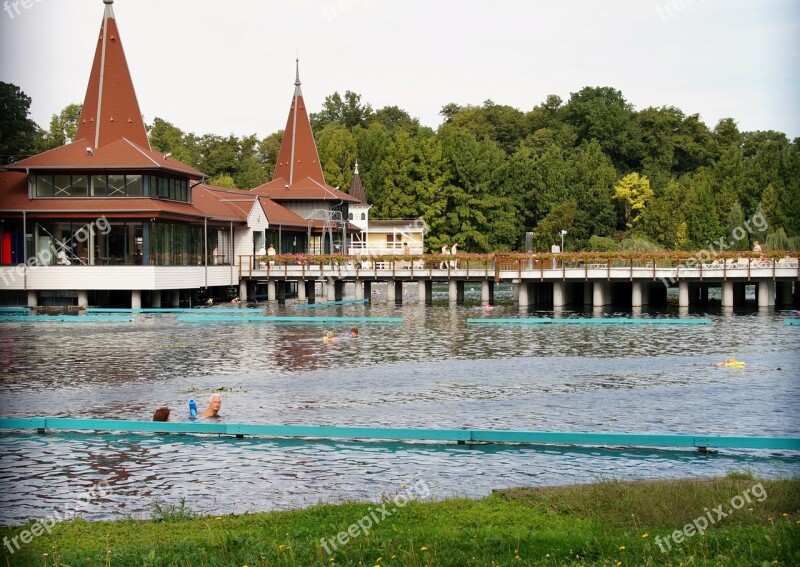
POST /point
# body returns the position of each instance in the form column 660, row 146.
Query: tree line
column 613, row 177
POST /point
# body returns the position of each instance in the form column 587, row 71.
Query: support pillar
column 683, row 293
column 559, row 295
column 33, row 298
column 398, row 291
column 645, row 293
column 599, row 297
column 368, row 291
column 524, row 299
column 136, row 299
column 452, row 293
column 330, row 290
column 766, row 294
column 487, row 292
column 425, row 291
column 83, row 298
column 243, row 291
column 271, row 290
column 727, row 294
column 359, row 289
column 390, row 291
column 636, row 294
column 155, row 299
column 301, row 290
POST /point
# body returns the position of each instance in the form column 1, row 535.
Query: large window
column 178, row 244
column 111, row 185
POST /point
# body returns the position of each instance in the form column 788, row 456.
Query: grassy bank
column 609, row 523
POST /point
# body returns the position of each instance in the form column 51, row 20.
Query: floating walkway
column 792, row 321
column 586, row 321
column 196, row 310
column 210, row 319
column 331, row 304
column 20, row 310
column 66, row 318
column 702, row 442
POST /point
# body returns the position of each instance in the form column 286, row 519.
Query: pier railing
column 657, row 265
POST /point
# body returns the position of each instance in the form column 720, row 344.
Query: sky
column 228, row 67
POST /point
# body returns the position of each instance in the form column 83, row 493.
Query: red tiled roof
column 306, row 189
column 110, row 108
column 120, row 154
column 298, row 157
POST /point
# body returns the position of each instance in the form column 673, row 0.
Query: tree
column 633, row 192
column 347, row 111
column 337, row 153
column 547, row 231
column 603, row 114
column 17, row 131
column 63, row 127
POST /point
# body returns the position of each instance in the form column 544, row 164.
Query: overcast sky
column 228, row 66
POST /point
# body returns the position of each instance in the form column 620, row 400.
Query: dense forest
column 611, row 176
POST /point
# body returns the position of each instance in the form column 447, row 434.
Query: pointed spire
column 357, row 188
column 110, row 108
column 298, row 157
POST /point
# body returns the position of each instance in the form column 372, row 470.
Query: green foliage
column 594, row 166
column 633, row 192
column 603, row 524
column 17, row 131
column 63, row 127
column 171, row 512
column 602, row 244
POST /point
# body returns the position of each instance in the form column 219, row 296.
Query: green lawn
column 608, row 523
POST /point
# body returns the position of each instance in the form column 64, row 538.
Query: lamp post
column 563, row 234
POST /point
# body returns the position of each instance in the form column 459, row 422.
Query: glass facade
column 111, row 185
column 133, row 243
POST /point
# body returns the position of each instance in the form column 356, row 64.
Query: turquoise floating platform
column 195, row 310
column 66, row 318
column 331, row 304
column 791, row 321
column 283, row 320
column 460, row 435
column 586, row 321
column 15, row 310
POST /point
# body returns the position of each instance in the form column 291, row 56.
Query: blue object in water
column 192, row 408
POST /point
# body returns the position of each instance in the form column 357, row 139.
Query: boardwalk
column 552, row 281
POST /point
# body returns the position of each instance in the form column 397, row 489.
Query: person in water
column 329, row 338
column 161, row 414
column 729, row 362
column 214, row 404
column 352, row 333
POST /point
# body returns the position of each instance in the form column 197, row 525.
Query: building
column 299, row 185
column 108, row 220
column 381, row 237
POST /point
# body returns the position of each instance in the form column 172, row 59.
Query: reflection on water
column 433, row 370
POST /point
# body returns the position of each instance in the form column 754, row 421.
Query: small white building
column 381, row 237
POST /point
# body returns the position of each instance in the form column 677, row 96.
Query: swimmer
column 352, row 334
column 209, row 301
column 161, row 414
column 235, row 300
column 329, row 338
column 730, row 362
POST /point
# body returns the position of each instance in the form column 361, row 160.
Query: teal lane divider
column 66, row 318
column 330, row 304
column 586, row 321
column 197, row 310
column 15, row 310
column 460, row 435
column 792, row 321
column 283, row 320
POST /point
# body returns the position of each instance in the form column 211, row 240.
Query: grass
column 605, row 524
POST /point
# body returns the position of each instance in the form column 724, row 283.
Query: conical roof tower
column 110, row 108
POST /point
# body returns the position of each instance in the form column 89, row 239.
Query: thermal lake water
column 431, row 371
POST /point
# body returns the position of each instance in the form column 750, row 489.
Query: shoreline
column 732, row 520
